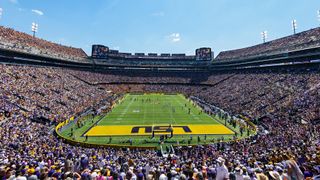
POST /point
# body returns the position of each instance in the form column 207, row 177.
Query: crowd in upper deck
column 305, row 39
column 19, row 41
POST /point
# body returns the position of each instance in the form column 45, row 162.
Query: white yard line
column 171, row 115
column 144, row 113
column 126, row 109
column 191, row 113
column 152, row 111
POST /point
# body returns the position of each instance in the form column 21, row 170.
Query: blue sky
column 160, row 26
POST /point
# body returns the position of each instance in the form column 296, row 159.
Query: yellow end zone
column 136, row 130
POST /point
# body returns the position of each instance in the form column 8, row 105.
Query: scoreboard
column 100, row 51
column 204, row 54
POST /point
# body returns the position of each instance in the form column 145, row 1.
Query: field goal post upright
column 171, row 130
column 152, row 130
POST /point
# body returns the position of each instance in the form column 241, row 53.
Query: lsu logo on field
column 160, row 129
column 145, row 130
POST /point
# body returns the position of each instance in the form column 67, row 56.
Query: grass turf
column 149, row 109
column 156, row 109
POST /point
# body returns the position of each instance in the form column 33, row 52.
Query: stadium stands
column 26, row 90
column 45, row 93
column 127, row 76
column 18, row 41
column 306, row 39
column 283, row 103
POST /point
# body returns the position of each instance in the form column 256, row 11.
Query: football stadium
column 159, row 90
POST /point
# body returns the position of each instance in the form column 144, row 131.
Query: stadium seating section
column 283, row 103
column 18, row 41
column 306, row 39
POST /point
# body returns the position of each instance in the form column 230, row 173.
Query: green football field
column 127, row 123
column 156, row 109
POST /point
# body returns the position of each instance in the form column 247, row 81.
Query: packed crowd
column 152, row 62
column 310, row 38
column 45, row 93
column 15, row 40
column 289, row 95
column 284, row 148
column 141, row 77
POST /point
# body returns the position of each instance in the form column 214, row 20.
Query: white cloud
column 158, row 14
column 175, row 37
column 38, row 12
column 14, row 1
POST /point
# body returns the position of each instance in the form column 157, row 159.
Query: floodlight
column 34, row 28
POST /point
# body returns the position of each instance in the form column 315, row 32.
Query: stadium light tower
column 34, row 28
column 264, row 36
column 294, row 26
column 319, row 16
column 1, row 11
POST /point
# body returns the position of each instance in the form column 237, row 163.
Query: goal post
column 152, row 129
column 164, row 130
